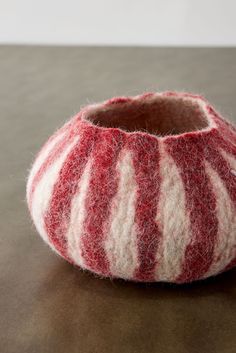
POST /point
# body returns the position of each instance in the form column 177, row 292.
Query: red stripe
column 225, row 128
column 226, row 139
column 222, row 140
column 52, row 157
column 146, row 158
column 225, row 135
column 54, row 154
column 188, row 153
column 102, row 188
column 221, row 166
column 226, row 144
column 60, row 131
column 58, row 215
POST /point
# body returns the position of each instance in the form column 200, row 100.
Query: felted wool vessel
column 141, row 188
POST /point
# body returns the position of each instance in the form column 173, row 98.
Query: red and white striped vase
column 141, row 188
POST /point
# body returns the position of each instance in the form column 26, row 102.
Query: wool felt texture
column 141, row 188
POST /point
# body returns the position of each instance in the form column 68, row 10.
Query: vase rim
column 149, row 98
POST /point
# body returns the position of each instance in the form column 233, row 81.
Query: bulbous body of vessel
column 141, row 188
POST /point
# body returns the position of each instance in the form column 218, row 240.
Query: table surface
column 47, row 305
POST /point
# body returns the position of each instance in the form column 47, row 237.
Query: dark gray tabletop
column 46, row 305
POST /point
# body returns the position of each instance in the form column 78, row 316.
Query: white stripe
column 173, row 219
column 121, row 243
column 77, row 217
column 44, row 189
column 230, row 159
column 40, row 160
column 225, row 244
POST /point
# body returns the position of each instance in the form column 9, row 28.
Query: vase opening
column 161, row 115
